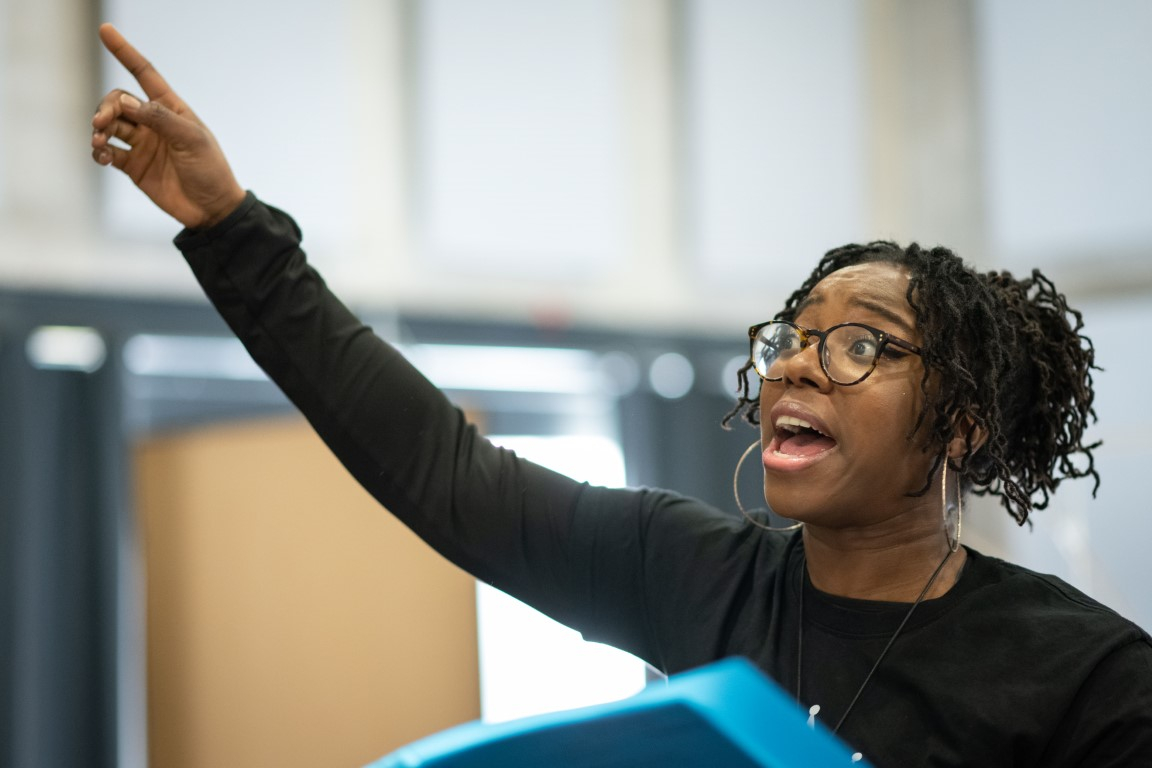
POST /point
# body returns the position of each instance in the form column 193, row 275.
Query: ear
column 967, row 431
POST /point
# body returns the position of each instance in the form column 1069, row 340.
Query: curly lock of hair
column 1005, row 356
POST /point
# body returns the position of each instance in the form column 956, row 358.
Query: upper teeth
column 793, row 424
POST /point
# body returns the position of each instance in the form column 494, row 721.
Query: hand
column 172, row 156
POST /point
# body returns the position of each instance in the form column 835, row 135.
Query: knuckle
column 141, row 69
column 155, row 112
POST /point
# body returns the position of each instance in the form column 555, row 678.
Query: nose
column 804, row 369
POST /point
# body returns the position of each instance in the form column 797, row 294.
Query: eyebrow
column 864, row 303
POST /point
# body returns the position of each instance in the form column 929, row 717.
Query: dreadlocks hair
column 1004, row 354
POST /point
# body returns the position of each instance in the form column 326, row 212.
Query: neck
column 879, row 569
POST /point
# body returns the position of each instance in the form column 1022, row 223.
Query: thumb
column 175, row 129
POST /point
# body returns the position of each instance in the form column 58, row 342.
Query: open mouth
column 796, row 437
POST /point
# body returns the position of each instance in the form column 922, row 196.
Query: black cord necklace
column 880, row 658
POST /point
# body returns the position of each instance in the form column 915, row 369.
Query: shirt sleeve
column 574, row 552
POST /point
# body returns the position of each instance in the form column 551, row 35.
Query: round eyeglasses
column 848, row 352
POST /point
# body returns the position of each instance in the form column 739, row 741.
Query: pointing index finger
column 150, row 80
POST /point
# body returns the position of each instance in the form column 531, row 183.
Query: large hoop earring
column 953, row 512
column 736, row 494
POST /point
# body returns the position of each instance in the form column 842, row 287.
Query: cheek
column 769, row 394
column 908, row 406
column 903, row 396
column 888, row 412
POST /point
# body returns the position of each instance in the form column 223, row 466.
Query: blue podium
column 726, row 715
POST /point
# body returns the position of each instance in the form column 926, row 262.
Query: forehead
column 879, row 288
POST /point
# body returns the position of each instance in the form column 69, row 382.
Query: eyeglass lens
column 848, row 352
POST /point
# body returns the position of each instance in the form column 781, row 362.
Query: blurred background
column 567, row 212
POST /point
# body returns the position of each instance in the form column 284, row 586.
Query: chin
column 786, row 505
column 798, row 503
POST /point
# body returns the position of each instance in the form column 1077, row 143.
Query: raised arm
column 581, row 554
column 169, row 153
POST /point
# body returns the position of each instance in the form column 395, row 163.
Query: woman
column 893, row 380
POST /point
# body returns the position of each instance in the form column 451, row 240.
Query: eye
column 782, row 339
column 861, row 345
column 786, row 341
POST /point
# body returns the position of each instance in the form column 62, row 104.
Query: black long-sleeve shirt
column 1009, row 668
